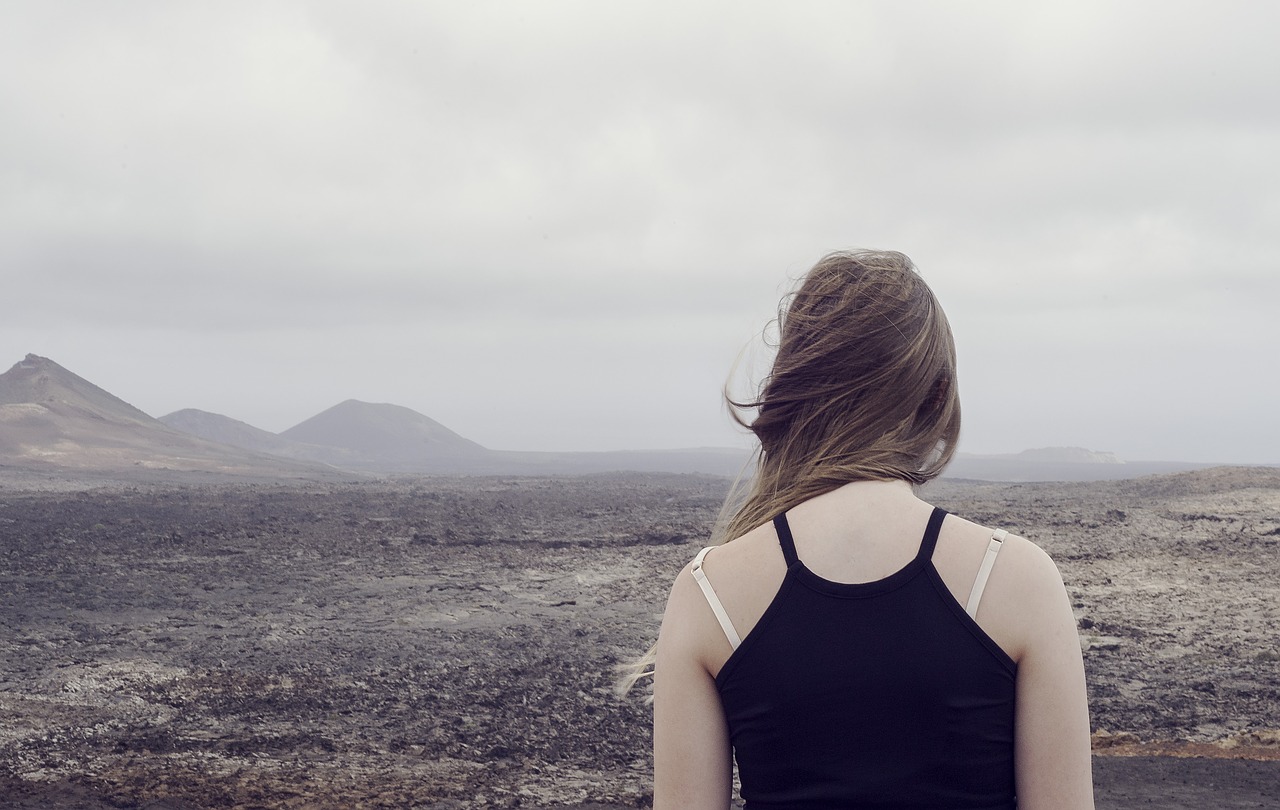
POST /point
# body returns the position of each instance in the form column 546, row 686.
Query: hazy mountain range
column 51, row 419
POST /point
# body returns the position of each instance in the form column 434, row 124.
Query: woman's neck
column 865, row 496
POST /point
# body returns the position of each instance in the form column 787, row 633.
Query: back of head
column 863, row 386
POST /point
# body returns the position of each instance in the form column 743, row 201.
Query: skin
column 1025, row 609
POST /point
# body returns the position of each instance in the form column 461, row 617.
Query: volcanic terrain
column 450, row 642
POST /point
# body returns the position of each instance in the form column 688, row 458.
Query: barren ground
column 450, row 642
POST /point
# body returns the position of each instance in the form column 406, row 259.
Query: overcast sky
column 557, row 225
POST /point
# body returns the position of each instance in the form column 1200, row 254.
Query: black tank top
column 882, row 694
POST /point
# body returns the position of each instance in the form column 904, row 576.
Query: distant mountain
column 52, row 419
column 1058, row 464
column 394, row 435
column 376, row 438
column 223, row 429
column 37, row 380
column 1069, row 455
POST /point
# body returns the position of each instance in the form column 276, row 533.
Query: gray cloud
column 556, row 226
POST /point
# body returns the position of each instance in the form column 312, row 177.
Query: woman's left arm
column 692, row 761
column 1053, row 764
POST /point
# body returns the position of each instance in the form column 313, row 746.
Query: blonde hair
column 863, row 387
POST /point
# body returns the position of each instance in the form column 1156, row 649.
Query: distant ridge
column 1069, row 455
column 52, row 419
column 223, row 429
column 55, row 422
column 1058, row 464
column 380, row 438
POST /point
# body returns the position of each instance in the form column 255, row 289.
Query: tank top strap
column 930, row 539
column 785, row 540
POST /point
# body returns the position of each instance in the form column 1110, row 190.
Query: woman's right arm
column 692, row 761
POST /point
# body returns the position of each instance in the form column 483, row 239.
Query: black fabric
column 882, row 694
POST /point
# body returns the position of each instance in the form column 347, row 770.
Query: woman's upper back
column 860, row 677
column 863, row 533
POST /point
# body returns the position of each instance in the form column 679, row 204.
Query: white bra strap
column 713, row 600
column 984, row 571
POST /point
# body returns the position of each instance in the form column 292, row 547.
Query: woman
column 853, row 646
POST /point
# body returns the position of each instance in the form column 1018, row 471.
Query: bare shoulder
column 1018, row 554
column 742, row 575
column 688, row 620
column 1024, row 597
column 727, row 562
column 745, row 553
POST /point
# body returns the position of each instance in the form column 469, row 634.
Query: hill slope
column 223, row 429
column 389, row 436
column 37, row 380
column 52, row 419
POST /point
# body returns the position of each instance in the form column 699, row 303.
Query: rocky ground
column 451, row 642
